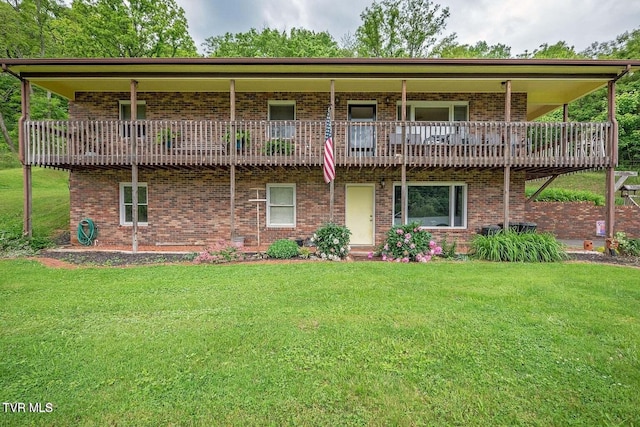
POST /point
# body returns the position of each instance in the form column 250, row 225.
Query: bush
column 332, row 242
column 409, row 243
column 283, row 249
column 627, row 246
column 561, row 195
column 218, row 253
column 517, row 247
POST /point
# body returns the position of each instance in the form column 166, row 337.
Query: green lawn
column 50, row 200
column 362, row 343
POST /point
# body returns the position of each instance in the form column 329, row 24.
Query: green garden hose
column 87, row 232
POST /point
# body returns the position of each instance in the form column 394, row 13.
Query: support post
column 612, row 152
column 133, row 135
column 232, row 148
column 332, row 190
column 507, row 153
column 404, row 191
column 27, row 207
column 232, row 200
column 507, row 192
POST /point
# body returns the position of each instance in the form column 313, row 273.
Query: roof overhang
column 548, row 83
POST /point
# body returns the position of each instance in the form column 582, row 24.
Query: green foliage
column 448, row 249
column 137, row 28
column 332, row 241
column 278, row 146
column 220, row 252
column 13, row 243
column 509, row 246
column 566, row 195
column 283, row 249
column 409, row 243
column 401, row 28
column 271, row 43
column 627, row 246
column 480, row 50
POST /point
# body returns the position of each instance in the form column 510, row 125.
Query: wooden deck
column 526, row 145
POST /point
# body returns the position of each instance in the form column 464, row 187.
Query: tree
column 271, row 43
column 117, row 28
column 560, row 50
column 480, row 50
column 402, row 28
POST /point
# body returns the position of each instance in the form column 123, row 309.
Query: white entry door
column 360, row 213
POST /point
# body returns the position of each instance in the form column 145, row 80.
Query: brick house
column 220, row 148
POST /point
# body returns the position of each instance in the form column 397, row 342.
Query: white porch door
column 360, row 213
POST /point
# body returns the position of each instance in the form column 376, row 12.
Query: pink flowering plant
column 406, row 243
column 217, row 253
column 332, row 242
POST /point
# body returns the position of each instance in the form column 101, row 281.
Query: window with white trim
column 281, row 114
column 125, row 114
column 126, row 203
column 432, row 205
column 281, row 205
column 435, row 111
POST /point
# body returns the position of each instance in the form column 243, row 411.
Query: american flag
column 328, row 167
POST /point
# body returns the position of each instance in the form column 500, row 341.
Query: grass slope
column 50, row 200
column 322, row 344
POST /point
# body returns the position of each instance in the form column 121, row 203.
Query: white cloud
column 523, row 25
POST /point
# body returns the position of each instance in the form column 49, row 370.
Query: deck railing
column 295, row 143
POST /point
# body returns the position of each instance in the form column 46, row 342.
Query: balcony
column 522, row 145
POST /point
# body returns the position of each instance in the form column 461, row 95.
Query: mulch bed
column 104, row 258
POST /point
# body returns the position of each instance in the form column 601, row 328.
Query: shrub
column 627, row 246
column 218, row 253
column 332, row 241
column 517, row 247
column 283, row 249
column 406, row 243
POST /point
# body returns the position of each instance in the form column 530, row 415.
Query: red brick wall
column 253, row 106
column 577, row 220
column 192, row 207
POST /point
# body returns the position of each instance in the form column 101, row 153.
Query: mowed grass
column 50, row 200
column 593, row 182
column 319, row 343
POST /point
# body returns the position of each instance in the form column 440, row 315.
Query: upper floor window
column 283, row 112
column 125, row 114
column 435, row 111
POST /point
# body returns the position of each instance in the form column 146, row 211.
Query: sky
column 522, row 24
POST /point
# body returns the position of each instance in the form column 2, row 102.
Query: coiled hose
column 87, row 232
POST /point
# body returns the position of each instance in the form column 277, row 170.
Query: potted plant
column 167, row 137
column 242, row 139
column 278, row 146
